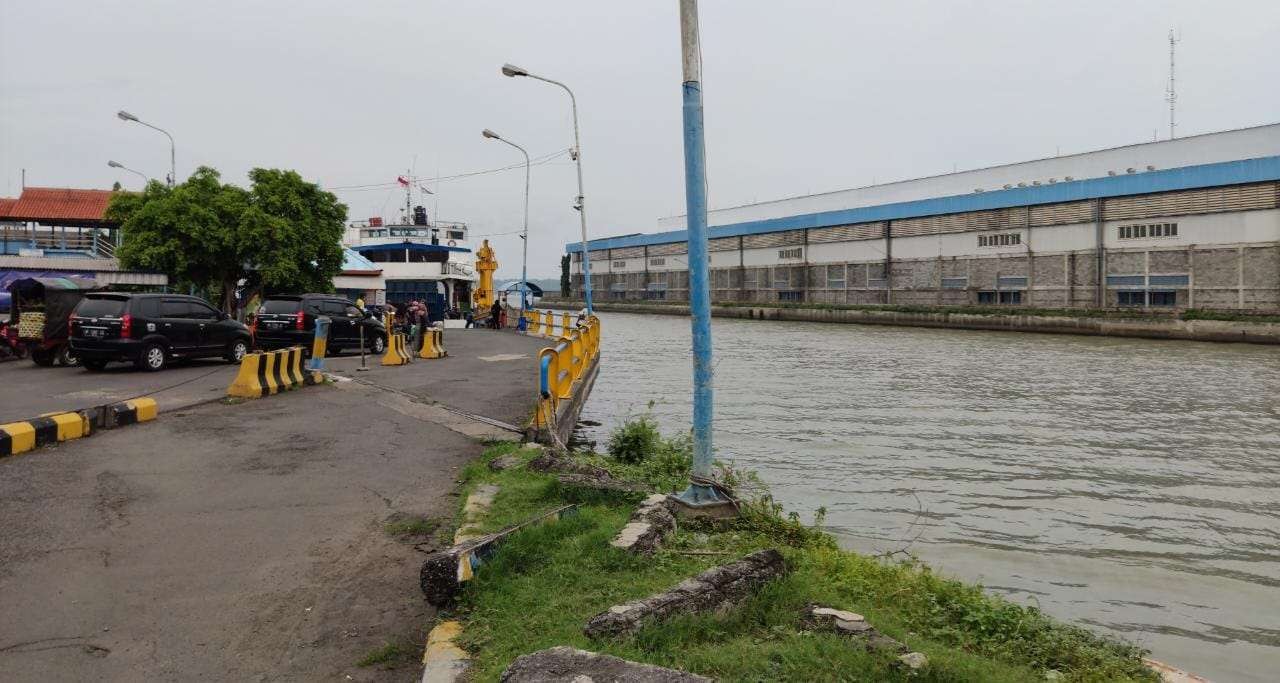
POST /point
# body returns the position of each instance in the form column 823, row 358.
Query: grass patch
column 401, row 525
column 387, row 656
column 547, row 581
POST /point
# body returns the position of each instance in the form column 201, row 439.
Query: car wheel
column 43, row 358
column 67, row 358
column 332, row 351
column 94, row 365
column 152, row 358
column 379, row 345
column 236, row 351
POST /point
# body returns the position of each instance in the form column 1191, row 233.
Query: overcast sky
column 801, row 96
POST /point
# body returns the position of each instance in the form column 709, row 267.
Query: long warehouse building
column 1192, row 222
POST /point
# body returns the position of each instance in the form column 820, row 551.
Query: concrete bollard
column 319, row 344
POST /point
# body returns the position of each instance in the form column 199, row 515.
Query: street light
column 524, row 263
column 140, row 174
column 173, row 164
column 511, row 71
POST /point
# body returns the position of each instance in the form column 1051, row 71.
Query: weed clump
column 635, row 441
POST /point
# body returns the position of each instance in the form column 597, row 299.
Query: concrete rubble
column 717, row 588
column 570, row 665
column 649, row 525
column 604, row 484
column 856, row 627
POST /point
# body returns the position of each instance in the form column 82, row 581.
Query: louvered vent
column 1187, row 202
column 846, row 233
column 773, row 239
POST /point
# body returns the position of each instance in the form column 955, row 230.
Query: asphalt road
column 247, row 541
column 28, row 390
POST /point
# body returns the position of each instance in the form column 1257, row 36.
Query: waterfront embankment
column 1189, row 325
column 1125, row 484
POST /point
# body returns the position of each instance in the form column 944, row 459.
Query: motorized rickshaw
column 40, row 312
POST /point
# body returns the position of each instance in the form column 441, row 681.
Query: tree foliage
column 281, row 234
column 565, row 288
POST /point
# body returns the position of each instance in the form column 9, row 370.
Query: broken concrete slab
column 505, row 462
column 605, row 484
column 648, row 526
column 914, row 661
column 855, row 626
column 443, row 572
column 550, row 462
column 570, row 665
column 715, row 589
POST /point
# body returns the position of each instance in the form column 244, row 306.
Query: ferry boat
column 419, row 259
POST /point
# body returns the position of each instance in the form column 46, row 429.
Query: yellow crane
column 483, row 296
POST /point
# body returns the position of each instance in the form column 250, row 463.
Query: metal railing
column 561, row 366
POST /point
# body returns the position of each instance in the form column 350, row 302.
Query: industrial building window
column 1147, row 231
column 619, row 264
column 835, row 277
column 1126, row 280
column 1004, row 239
column 793, row 253
column 1012, row 282
column 1142, row 297
column 656, row 290
column 1003, row 298
column 791, row 296
column 657, row 262
column 1169, row 280
column 955, row 282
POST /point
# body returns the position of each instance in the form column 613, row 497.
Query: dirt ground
column 240, row 542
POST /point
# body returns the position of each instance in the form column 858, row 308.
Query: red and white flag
column 404, row 182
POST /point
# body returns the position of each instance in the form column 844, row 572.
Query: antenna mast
column 1172, row 94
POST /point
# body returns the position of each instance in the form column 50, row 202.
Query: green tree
column 564, row 276
column 282, row 234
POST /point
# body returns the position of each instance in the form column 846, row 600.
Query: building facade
column 1186, row 223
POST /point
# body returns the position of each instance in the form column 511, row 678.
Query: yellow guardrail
column 561, row 366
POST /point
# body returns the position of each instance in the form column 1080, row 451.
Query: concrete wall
column 1189, row 330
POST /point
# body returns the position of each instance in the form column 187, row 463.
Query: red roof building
column 58, row 206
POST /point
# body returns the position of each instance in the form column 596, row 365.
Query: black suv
column 151, row 329
column 289, row 320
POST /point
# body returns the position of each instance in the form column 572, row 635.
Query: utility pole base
column 702, row 502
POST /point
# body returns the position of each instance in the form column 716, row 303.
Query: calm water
column 1130, row 485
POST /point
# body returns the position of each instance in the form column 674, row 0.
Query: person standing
column 495, row 314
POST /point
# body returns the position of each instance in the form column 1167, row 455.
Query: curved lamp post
column 511, row 71
column 173, row 164
column 140, row 174
column 524, row 263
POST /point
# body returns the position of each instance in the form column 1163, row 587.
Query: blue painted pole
column 699, row 494
column 319, row 345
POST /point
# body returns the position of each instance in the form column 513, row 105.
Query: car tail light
column 299, row 321
column 126, row 326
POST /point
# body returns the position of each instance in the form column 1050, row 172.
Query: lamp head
column 115, row 164
column 490, row 134
column 126, row 116
column 512, row 70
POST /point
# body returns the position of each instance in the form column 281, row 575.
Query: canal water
column 1129, row 485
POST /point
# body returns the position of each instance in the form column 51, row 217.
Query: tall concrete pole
column 701, row 493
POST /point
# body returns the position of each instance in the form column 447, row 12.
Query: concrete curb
column 442, row 660
column 27, row 435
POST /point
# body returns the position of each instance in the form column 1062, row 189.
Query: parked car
column 289, row 320
column 149, row 330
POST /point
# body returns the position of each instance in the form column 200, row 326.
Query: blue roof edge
column 1183, row 178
